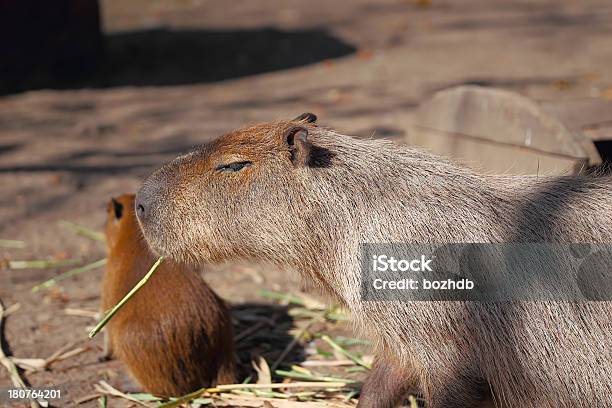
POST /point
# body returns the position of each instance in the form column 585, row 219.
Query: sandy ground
column 180, row 73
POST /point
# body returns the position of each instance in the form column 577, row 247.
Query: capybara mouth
column 157, row 242
column 171, row 246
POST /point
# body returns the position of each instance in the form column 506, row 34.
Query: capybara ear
column 306, row 117
column 118, row 208
column 297, row 141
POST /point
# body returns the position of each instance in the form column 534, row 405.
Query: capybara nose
column 140, row 211
column 143, row 203
column 150, row 196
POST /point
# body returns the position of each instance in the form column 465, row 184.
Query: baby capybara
column 306, row 198
column 175, row 335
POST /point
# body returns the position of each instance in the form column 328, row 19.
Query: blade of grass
column 345, row 352
column 262, row 369
column 336, row 314
column 105, row 388
column 273, row 394
column 413, row 401
column 299, row 369
column 83, row 231
column 12, row 243
column 309, row 377
column 326, row 363
column 304, row 396
column 284, row 297
column 351, row 341
column 248, row 332
column 290, row 346
column 41, row 264
column 355, row 369
column 143, row 396
column 303, row 313
column 263, row 394
column 12, row 309
column 81, row 269
column 326, row 354
column 127, row 297
column 314, row 384
column 82, row 313
column 350, row 395
column 185, row 398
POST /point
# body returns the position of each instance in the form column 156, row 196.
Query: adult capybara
column 175, row 335
column 306, row 198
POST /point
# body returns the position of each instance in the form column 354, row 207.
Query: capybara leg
column 464, row 393
column 386, row 385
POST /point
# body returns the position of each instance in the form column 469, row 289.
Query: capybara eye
column 233, row 167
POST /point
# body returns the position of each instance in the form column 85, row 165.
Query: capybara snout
column 156, row 207
column 151, row 194
column 146, row 200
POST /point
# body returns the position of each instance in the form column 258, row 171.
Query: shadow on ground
column 175, row 57
column 263, row 330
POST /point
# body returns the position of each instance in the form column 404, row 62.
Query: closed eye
column 233, row 167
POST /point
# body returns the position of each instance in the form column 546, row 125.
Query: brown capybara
column 175, row 335
column 306, row 198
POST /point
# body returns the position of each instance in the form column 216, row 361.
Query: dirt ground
column 182, row 72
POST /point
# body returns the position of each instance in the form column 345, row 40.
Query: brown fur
column 310, row 196
column 175, row 335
